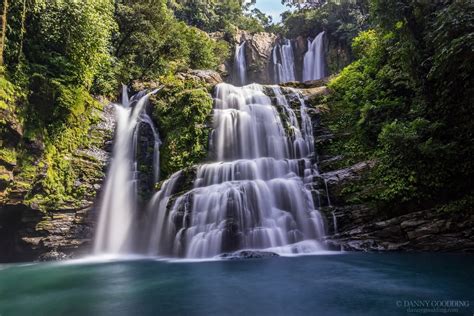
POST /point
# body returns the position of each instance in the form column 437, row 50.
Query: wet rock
column 248, row 254
column 53, row 255
column 418, row 231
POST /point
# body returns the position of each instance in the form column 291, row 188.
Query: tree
column 4, row 29
column 213, row 15
column 407, row 100
column 304, row 4
column 150, row 42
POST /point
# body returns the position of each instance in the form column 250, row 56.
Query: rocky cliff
column 258, row 54
column 29, row 228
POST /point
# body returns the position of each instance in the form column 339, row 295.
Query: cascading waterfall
column 255, row 197
column 283, row 62
column 314, row 65
column 119, row 197
column 240, row 65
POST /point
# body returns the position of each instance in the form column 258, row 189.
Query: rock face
column 10, row 134
column 362, row 228
column 359, row 230
column 28, row 233
column 300, row 47
column 258, row 54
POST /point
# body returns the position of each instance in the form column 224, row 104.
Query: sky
column 271, row 7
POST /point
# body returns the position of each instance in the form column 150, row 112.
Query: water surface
column 347, row 284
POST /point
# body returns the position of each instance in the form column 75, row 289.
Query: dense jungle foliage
column 57, row 55
column 406, row 103
column 226, row 16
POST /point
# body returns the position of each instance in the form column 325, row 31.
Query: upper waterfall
column 255, row 196
column 283, row 62
column 240, row 65
column 314, row 59
column 119, row 197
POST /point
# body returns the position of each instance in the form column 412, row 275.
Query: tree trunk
column 4, row 29
column 23, row 30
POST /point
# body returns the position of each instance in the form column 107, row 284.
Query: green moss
column 7, row 93
column 4, row 174
column 8, row 156
column 56, row 172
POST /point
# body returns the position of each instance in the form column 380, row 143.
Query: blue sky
column 271, row 7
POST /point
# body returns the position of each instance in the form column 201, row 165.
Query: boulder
column 209, row 76
column 248, row 254
column 315, row 92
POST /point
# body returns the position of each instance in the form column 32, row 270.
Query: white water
column 119, row 197
column 283, row 62
column 240, row 65
column 314, row 65
column 255, row 196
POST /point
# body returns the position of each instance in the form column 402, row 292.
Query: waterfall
column 314, row 64
column 283, row 62
column 119, row 197
column 256, row 196
column 240, row 65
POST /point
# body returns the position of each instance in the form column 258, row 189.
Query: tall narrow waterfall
column 283, row 62
column 240, row 65
column 314, row 64
column 255, row 196
column 119, row 197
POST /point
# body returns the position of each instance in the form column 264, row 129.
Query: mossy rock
column 183, row 112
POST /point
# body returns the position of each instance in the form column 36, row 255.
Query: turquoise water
column 347, row 284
